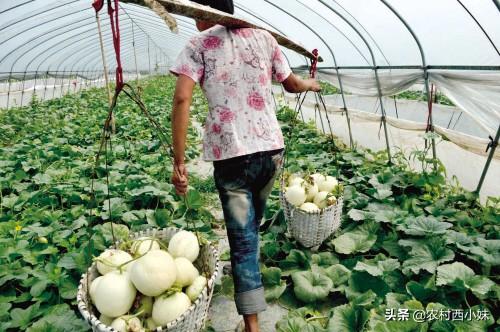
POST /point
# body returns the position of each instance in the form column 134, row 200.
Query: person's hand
column 180, row 178
column 314, row 85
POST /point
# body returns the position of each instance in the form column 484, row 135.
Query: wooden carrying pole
column 205, row 13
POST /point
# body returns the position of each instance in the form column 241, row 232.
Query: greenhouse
column 402, row 141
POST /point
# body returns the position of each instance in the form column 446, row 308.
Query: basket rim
column 83, row 307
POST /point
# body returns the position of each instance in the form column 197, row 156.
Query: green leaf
column 359, row 240
column 425, row 226
column 426, row 255
column 382, row 193
column 361, row 282
column 356, row 215
column 117, row 205
column 347, row 318
column 311, row 286
column 227, row 286
column 60, row 318
column 461, row 276
column 338, row 274
column 324, row 259
column 38, row 287
column 420, row 292
column 194, row 199
column 295, row 261
column 121, row 232
column 273, row 285
column 68, row 289
column 377, row 267
column 4, row 310
column 361, row 299
column 22, row 317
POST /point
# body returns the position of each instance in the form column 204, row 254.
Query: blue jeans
column 244, row 184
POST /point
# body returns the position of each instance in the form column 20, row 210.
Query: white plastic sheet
column 476, row 93
column 364, row 83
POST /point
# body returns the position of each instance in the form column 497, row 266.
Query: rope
column 429, row 115
column 115, row 30
column 104, row 64
column 314, row 63
column 106, row 134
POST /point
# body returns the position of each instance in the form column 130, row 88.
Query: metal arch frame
column 497, row 4
column 127, row 55
column 251, row 13
column 314, row 33
column 189, row 25
column 480, row 26
column 348, row 119
column 44, row 41
column 109, row 54
column 364, row 29
column 24, row 18
column 126, row 30
column 186, row 25
column 426, row 74
column 43, row 23
column 337, row 29
column 29, row 63
column 126, row 37
column 43, row 12
column 125, row 11
column 375, row 69
column 174, row 38
column 44, row 34
column 16, row 6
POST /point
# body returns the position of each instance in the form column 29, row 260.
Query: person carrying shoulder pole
column 235, row 68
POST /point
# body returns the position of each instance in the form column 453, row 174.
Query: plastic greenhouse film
column 196, row 11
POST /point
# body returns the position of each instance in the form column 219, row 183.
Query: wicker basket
column 191, row 320
column 312, row 228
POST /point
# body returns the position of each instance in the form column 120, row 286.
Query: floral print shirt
column 235, row 68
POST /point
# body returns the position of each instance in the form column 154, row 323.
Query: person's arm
column 295, row 84
column 180, row 120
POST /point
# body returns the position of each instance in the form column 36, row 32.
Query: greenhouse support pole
column 45, row 84
column 426, row 76
column 8, row 89
column 54, row 86
column 62, row 83
column 22, row 88
column 103, row 56
column 331, row 53
column 135, row 56
column 34, row 84
column 493, row 146
column 431, row 121
column 351, row 142
column 384, row 122
column 149, row 59
column 69, row 80
column 375, row 68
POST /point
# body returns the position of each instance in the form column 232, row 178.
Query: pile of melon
column 312, row 193
column 149, row 284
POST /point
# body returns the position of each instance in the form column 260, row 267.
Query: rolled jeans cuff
column 250, row 302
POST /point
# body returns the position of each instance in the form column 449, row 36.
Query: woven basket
column 312, row 228
column 191, row 320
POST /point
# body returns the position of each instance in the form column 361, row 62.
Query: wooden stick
column 205, row 13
